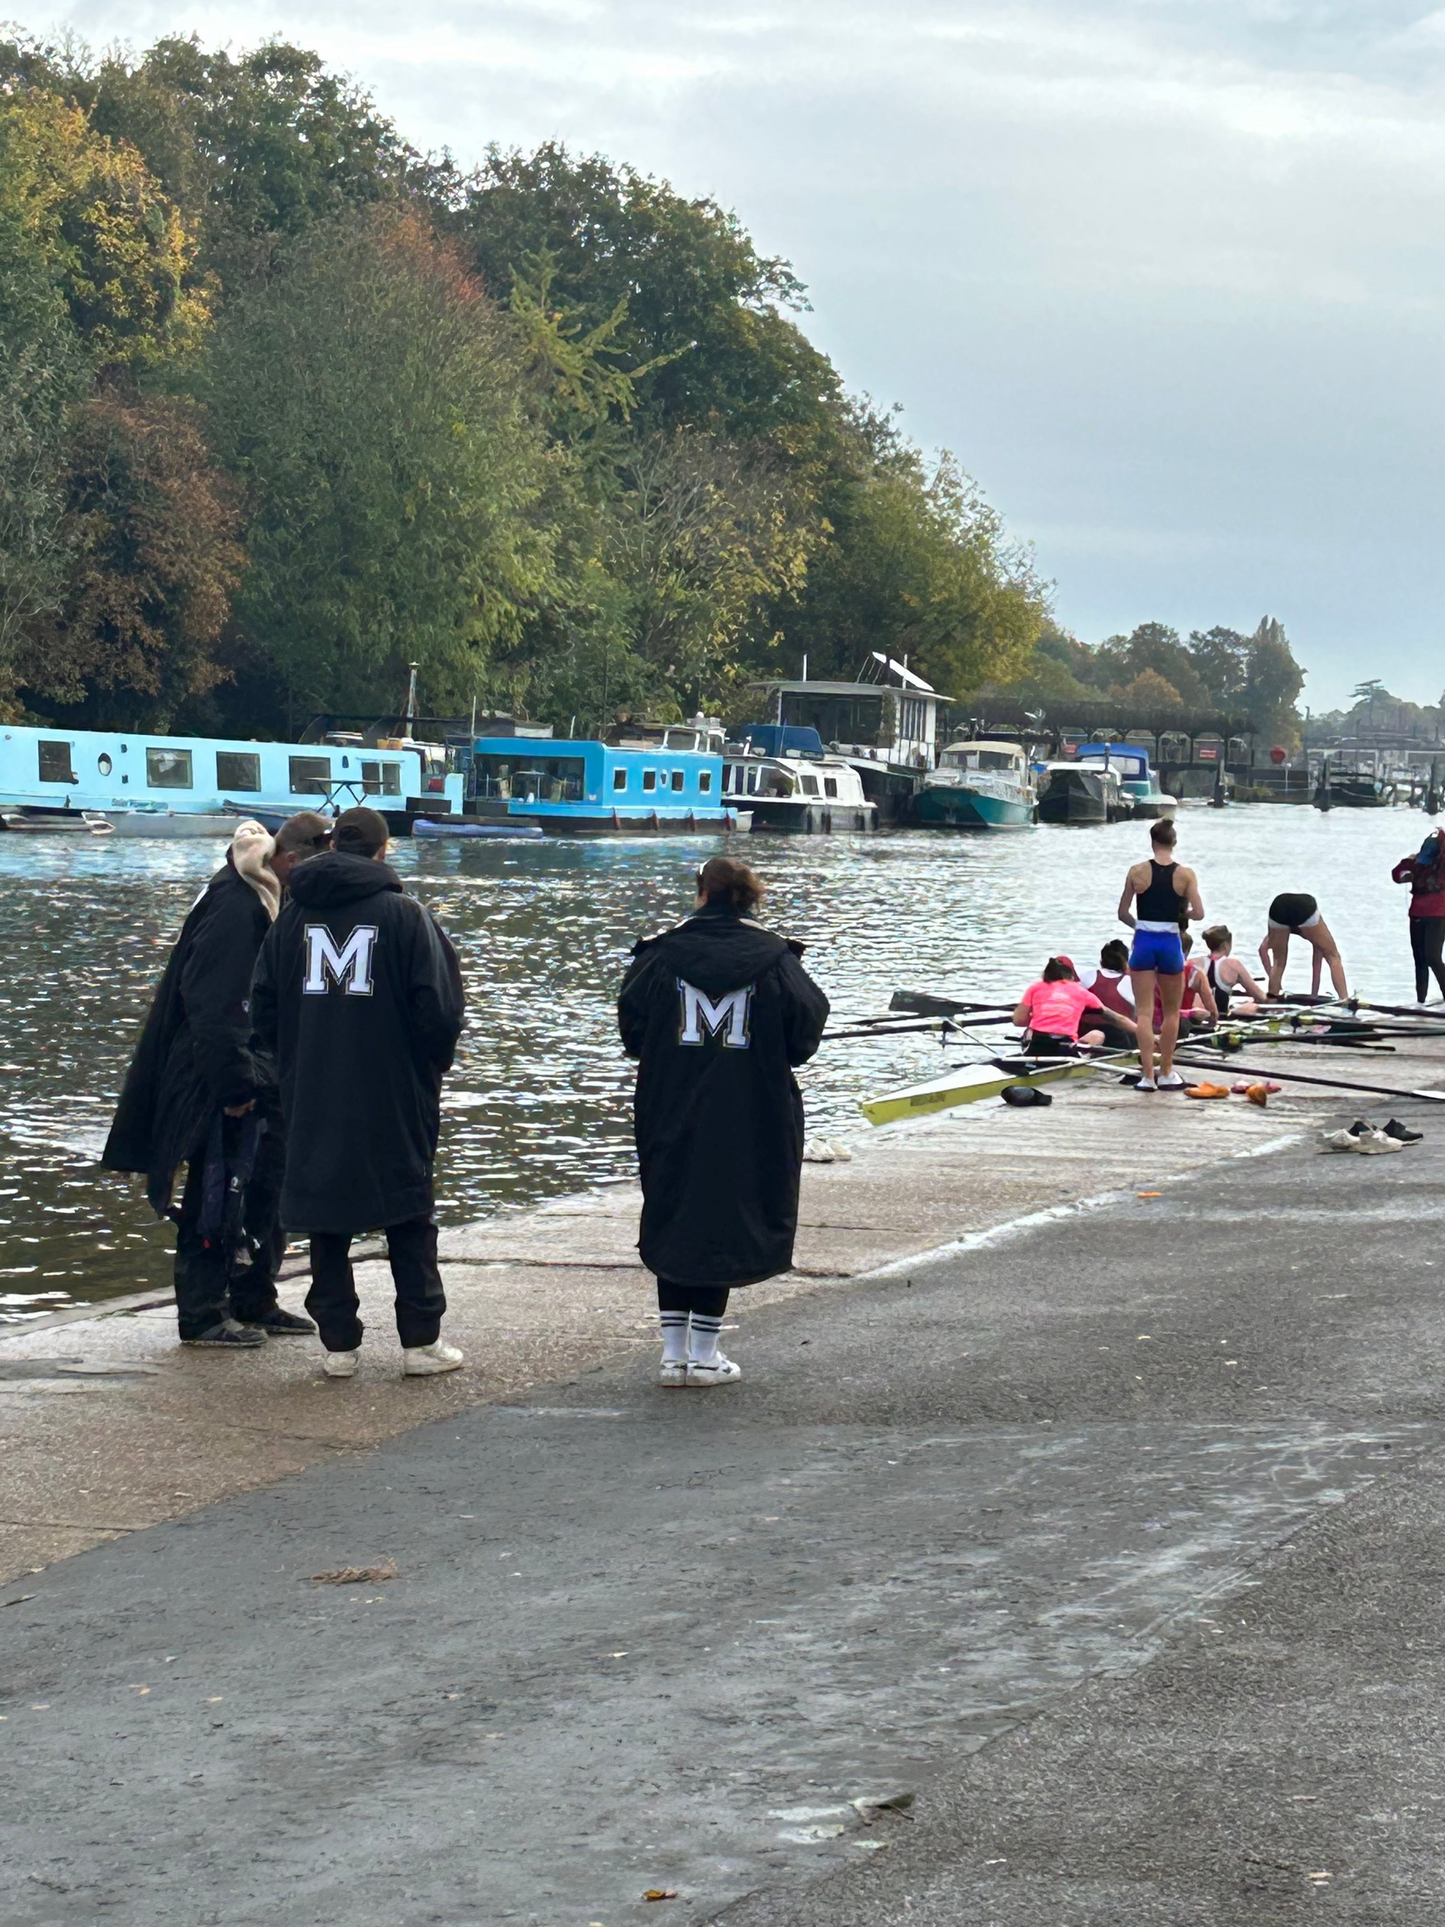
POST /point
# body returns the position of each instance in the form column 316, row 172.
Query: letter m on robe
column 347, row 965
column 727, row 1018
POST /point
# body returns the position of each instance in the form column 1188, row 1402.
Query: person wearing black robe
column 719, row 1012
column 358, row 995
column 195, row 1094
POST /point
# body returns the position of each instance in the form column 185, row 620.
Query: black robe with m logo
column 719, row 1011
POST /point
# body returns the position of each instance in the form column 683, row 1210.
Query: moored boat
column 170, row 824
column 643, row 779
column 789, row 783
column 1138, row 784
column 55, row 822
column 1078, row 793
column 977, row 786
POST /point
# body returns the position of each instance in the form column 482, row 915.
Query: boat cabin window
column 619, row 779
column 649, row 779
column 777, row 782
column 104, row 764
column 169, row 769
column 679, row 777
column 996, row 759
column 830, row 786
column 810, row 785
column 381, row 779
column 237, row 770
column 704, row 782
column 310, row 775
column 550, row 779
column 960, row 758
column 55, row 763
column 752, row 774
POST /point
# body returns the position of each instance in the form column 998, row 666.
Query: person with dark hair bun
column 719, row 1011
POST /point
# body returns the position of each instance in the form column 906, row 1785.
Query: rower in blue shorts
column 1160, row 897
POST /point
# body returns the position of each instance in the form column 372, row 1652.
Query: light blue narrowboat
column 131, row 775
column 642, row 780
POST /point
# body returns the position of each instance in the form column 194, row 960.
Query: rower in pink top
column 1052, row 1010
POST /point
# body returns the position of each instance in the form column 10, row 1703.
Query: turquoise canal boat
column 643, row 779
column 130, row 775
column 977, row 786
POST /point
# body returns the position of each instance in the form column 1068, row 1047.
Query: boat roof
column 984, row 742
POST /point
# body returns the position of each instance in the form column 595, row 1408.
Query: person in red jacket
column 1424, row 871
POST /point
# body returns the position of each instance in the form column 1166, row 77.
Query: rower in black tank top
column 1160, row 902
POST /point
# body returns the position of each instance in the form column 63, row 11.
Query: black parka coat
column 719, row 1011
column 193, row 1054
column 358, row 995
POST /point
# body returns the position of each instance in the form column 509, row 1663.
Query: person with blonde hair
column 719, row 1012
column 196, row 1094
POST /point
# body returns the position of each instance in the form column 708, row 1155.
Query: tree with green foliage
column 370, row 400
column 151, row 527
column 43, row 372
column 914, row 563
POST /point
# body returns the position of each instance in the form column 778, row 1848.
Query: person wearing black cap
column 359, row 996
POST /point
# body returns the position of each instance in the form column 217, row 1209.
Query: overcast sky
column 1166, row 274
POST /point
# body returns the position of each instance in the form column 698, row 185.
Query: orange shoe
column 1207, row 1090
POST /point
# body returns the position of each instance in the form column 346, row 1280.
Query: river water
column 539, row 1101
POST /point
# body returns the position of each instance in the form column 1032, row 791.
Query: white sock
column 674, row 1337
column 703, row 1347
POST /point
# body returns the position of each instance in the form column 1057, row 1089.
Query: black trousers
column 420, row 1299
column 207, row 1288
column 708, row 1301
column 1427, row 940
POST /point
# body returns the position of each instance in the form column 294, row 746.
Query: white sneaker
column 1370, row 1143
column 1171, row 1081
column 341, row 1364
column 425, row 1361
column 672, row 1371
column 1145, row 1084
column 717, row 1371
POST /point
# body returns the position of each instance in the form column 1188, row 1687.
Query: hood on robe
column 251, row 851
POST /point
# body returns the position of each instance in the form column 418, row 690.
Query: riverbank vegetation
column 286, row 404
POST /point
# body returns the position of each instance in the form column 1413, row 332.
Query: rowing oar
column 1300, row 1077
column 923, row 1004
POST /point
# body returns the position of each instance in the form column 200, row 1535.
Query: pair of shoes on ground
column 823, row 1150
column 417, row 1361
column 699, row 1374
column 1369, row 1141
column 245, row 1335
column 1171, row 1081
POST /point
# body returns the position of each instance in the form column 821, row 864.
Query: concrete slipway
column 1102, row 1524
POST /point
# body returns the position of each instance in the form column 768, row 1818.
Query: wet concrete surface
column 106, row 1424
column 1114, row 1542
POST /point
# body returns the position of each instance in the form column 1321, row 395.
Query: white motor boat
column 795, row 792
column 171, row 823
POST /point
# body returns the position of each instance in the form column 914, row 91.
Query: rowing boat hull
column 967, row 1085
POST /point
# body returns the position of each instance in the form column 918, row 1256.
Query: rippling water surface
column 539, row 1101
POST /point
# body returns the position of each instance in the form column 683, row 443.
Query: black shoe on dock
column 229, row 1336
column 277, row 1323
column 1403, row 1132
